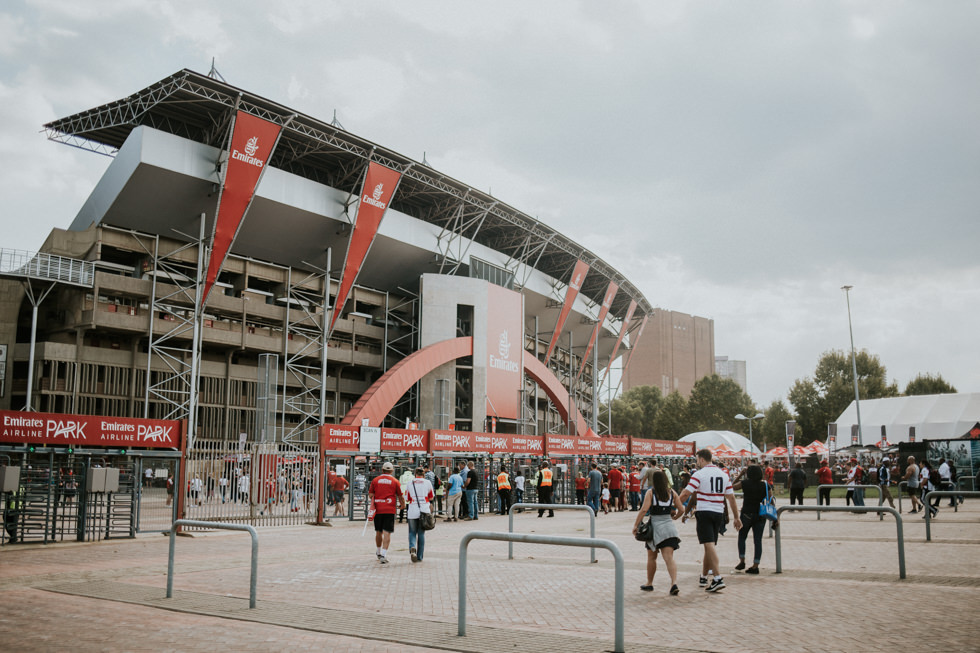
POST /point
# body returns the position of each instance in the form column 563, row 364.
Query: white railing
column 20, row 263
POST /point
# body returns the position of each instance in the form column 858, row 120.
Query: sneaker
column 703, row 581
column 646, row 588
column 740, row 566
column 415, row 554
column 379, row 555
column 383, row 560
column 716, row 585
column 752, row 570
column 674, row 590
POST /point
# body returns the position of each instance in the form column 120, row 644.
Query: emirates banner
column 619, row 340
column 574, row 286
column 376, row 193
column 60, row 429
column 252, row 142
column 603, row 311
column 790, row 435
column 616, row 446
column 635, row 342
column 573, row 445
column 404, row 440
column 643, row 447
column 339, row 437
column 505, row 351
column 467, row 442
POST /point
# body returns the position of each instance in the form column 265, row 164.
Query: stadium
column 270, row 281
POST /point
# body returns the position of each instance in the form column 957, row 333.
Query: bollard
column 940, row 493
column 218, row 526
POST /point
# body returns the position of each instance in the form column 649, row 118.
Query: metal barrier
column 549, row 506
column 903, row 488
column 881, row 496
column 941, row 493
column 544, row 539
column 220, row 526
column 878, row 509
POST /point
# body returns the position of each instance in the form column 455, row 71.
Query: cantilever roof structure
column 196, row 107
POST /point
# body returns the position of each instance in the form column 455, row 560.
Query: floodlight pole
column 749, row 419
column 857, row 399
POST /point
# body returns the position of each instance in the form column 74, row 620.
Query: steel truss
column 402, row 345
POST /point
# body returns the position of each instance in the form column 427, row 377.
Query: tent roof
column 935, row 417
column 735, row 441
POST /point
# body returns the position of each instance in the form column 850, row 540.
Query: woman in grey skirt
column 663, row 506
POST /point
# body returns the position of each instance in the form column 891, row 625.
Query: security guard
column 11, row 514
column 545, row 487
column 503, row 490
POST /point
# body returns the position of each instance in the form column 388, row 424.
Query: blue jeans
column 757, row 525
column 592, row 499
column 471, row 503
column 859, row 496
column 416, row 533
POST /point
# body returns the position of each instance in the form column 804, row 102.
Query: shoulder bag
column 644, row 532
column 767, row 508
column 426, row 521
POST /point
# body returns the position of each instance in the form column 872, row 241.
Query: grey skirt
column 663, row 529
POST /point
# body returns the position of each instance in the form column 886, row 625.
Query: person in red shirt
column 825, row 476
column 384, row 500
column 770, row 474
column 634, row 489
column 615, row 486
column 581, row 483
column 338, row 488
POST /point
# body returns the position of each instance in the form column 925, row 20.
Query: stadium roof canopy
column 197, row 107
column 935, row 417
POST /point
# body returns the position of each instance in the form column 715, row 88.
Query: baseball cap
column 387, row 467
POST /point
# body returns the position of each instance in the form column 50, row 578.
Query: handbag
column 767, row 508
column 426, row 521
column 644, row 532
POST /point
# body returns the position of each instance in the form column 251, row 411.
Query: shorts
column 613, row 494
column 338, row 495
column 912, row 491
column 709, row 525
column 385, row 522
column 672, row 542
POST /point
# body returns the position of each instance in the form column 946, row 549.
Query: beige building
column 675, row 351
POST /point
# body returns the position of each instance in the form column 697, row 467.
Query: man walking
column 384, row 499
column 797, row 483
column 595, row 488
column 472, row 492
column 503, row 490
column 713, row 489
column 825, row 476
column 884, row 477
column 453, row 495
column 545, row 478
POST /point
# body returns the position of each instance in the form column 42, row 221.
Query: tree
column 821, row 400
column 770, row 431
column 635, row 410
column 927, row 384
column 715, row 402
column 672, row 422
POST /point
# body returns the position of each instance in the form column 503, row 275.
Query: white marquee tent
column 735, row 441
column 935, row 417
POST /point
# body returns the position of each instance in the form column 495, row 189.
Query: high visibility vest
column 503, row 481
column 546, row 477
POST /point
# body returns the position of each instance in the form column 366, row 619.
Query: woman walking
column 754, row 490
column 663, row 506
column 419, row 495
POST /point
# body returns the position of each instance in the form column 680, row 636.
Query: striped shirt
column 711, row 485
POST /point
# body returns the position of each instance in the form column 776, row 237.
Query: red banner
column 376, row 193
column 58, row 430
column 338, row 437
column 634, row 342
column 574, row 445
column 465, row 441
column 603, row 311
column 404, row 440
column 616, row 446
column 505, row 349
column 252, row 142
column 641, row 447
column 574, row 286
column 619, row 340
column 532, row 445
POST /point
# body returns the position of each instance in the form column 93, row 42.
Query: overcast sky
column 739, row 161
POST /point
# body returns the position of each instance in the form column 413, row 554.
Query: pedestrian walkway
column 322, row 588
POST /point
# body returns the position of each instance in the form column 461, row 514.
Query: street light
column 743, row 417
column 857, row 399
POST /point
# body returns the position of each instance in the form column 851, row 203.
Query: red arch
column 379, row 399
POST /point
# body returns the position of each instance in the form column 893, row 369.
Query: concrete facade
column 675, row 351
column 731, row 369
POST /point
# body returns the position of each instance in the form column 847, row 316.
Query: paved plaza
column 321, row 588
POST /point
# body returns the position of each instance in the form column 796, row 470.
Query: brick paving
column 323, row 588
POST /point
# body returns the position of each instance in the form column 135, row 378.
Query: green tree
column 715, row 401
column 821, row 400
column 672, row 422
column 927, row 384
column 634, row 412
column 770, row 431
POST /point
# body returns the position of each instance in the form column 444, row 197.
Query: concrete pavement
column 322, row 588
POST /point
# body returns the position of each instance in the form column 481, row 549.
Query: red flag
column 606, row 303
column 619, row 340
column 574, row 285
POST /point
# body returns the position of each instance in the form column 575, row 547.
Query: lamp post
column 854, row 365
column 749, row 419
